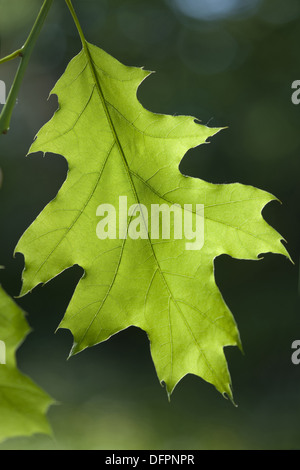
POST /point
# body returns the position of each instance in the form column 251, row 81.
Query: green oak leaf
column 115, row 147
column 23, row 405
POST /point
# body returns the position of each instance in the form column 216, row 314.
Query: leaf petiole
column 76, row 21
column 25, row 54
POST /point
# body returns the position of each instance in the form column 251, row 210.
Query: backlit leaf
column 116, row 148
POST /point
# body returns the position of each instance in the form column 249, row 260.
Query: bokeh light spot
column 214, row 9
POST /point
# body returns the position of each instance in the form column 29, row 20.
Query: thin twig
column 25, row 54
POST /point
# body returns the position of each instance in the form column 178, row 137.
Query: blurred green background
column 229, row 63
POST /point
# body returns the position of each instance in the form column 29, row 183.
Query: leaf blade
column 116, row 147
column 23, row 405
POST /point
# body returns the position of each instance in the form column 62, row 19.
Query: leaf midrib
column 118, row 143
